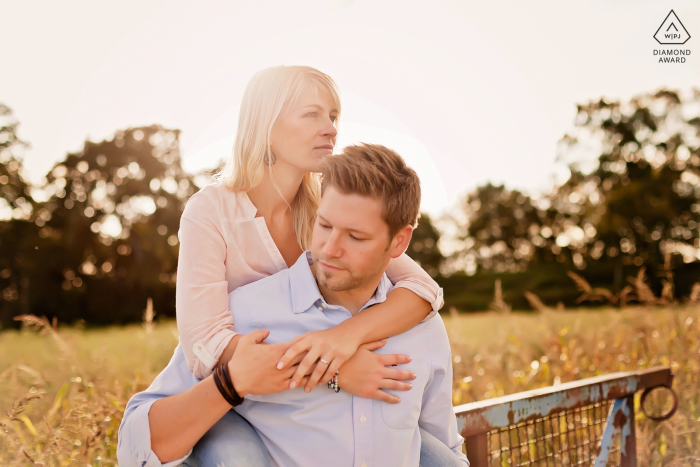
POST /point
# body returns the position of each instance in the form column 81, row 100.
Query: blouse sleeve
column 204, row 320
column 404, row 272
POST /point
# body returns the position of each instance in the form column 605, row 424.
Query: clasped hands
column 260, row 368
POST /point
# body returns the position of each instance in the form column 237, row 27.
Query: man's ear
column 400, row 241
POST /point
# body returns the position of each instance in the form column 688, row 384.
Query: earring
column 269, row 160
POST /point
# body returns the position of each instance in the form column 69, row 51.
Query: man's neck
column 352, row 300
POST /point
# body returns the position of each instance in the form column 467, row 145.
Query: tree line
column 99, row 236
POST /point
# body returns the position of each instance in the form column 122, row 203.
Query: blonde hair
column 269, row 92
column 378, row 172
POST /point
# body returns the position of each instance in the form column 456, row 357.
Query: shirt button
column 198, row 348
column 320, row 309
column 363, row 419
column 364, row 465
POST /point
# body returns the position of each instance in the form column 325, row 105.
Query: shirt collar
column 305, row 293
column 249, row 209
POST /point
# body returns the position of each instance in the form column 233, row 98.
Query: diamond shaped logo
column 672, row 31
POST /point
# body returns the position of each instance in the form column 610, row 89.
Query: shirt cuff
column 208, row 355
column 135, row 437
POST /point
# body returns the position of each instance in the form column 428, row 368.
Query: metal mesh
column 563, row 439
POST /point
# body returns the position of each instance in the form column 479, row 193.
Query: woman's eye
column 324, row 226
column 310, row 114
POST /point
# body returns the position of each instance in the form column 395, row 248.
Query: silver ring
column 324, row 361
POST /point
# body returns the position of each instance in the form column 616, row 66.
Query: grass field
column 63, row 393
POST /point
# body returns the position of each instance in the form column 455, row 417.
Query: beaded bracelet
column 333, row 383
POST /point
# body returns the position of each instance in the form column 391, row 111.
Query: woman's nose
column 330, row 129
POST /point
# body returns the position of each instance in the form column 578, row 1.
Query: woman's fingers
column 395, row 373
column 304, row 367
column 330, row 372
column 373, row 345
column 298, row 347
column 386, row 397
column 394, row 359
column 395, row 385
column 321, row 368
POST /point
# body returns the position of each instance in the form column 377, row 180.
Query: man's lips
column 328, row 267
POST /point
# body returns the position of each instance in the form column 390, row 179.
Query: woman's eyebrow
column 317, row 107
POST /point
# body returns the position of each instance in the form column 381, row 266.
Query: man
column 361, row 224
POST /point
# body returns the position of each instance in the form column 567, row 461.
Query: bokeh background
column 560, row 164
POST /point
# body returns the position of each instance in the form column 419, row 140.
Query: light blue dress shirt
column 323, row 427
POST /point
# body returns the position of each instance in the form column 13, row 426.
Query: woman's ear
column 400, row 241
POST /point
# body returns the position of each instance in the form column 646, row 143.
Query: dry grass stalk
column 498, row 304
column 536, row 303
column 695, row 293
column 44, row 327
column 148, row 315
column 592, row 294
column 644, row 293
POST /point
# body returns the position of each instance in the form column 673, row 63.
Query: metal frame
column 477, row 419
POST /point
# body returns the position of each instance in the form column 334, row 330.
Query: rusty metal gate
column 589, row 422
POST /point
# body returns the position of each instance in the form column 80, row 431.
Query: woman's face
column 304, row 133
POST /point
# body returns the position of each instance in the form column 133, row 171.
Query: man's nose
column 332, row 246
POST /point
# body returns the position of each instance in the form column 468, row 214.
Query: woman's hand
column 326, row 351
column 367, row 373
column 253, row 366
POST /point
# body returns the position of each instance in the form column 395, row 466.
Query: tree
column 110, row 227
column 643, row 195
column 631, row 198
column 424, row 246
column 18, row 234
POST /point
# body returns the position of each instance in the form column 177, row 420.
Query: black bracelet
column 222, row 379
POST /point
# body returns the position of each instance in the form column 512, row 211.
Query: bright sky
column 467, row 92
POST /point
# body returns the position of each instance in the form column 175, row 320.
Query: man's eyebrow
column 351, row 230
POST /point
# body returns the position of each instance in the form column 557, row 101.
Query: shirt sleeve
column 204, row 320
column 406, row 273
column 134, row 445
column 437, row 414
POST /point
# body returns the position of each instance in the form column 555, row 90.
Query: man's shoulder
column 276, row 285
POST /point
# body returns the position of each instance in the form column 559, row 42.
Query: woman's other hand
column 326, row 351
column 367, row 373
column 253, row 366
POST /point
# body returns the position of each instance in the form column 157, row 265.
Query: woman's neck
column 266, row 197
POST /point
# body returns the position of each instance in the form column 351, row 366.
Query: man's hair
column 378, row 172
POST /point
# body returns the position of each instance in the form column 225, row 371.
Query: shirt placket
column 362, row 426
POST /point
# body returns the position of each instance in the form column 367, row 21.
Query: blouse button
column 198, row 348
column 363, row 419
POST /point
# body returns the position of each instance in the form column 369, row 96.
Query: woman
column 257, row 221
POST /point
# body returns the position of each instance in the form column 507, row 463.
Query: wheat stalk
column 498, row 304
column 535, row 302
column 148, row 315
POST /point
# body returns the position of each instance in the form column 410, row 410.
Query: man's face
column 350, row 245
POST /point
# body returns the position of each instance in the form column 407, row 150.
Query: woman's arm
column 403, row 309
column 204, row 320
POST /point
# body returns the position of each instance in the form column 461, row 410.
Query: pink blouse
column 224, row 246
